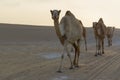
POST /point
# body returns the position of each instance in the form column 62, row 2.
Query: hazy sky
column 37, row 12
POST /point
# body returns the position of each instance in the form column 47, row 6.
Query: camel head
column 55, row 14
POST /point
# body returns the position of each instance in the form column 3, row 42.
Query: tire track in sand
column 95, row 74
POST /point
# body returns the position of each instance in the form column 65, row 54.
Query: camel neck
column 56, row 24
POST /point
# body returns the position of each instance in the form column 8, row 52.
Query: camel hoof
column 95, row 55
column 71, row 67
column 103, row 53
column 59, row 71
column 100, row 54
column 77, row 66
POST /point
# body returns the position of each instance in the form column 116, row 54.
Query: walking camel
column 69, row 31
column 100, row 33
column 110, row 31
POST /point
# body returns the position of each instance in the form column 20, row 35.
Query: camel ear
column 59, row 11
column 51, row 11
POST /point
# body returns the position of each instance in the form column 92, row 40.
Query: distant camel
column 110, row 31
column 100, row 33
column 69, row 31
column 84, row 35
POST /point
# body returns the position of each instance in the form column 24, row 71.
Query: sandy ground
column 33, row 53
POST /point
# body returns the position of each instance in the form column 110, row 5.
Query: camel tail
column 85, row 45
column 84, row 35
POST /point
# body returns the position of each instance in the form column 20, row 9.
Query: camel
column 69, row 31
column 100, row 33
column 109, row 33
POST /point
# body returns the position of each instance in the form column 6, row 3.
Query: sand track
column 103, row 71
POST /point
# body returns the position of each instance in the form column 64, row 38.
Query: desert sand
column 33, row 53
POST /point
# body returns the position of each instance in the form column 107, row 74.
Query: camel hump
column 71, row 27
column 68, row 13
column 100, row 21
column 101, row 26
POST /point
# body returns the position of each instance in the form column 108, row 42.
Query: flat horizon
column 39, row 25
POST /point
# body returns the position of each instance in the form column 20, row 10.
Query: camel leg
column 78, row 53
column 103, row 46
column 84, row 35
column 85, row 44
column 111, row 42
column 99, row 48
column 74, row 61
column 62, row 57
column 108, row 42
column 96, row 47
column 61, row 63
column 68, row 54
column 78, row 49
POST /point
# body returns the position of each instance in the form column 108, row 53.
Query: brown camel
column 100, row 33
column 109, row 33
column 68, row 32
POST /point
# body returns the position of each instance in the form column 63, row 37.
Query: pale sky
column 37, row 12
